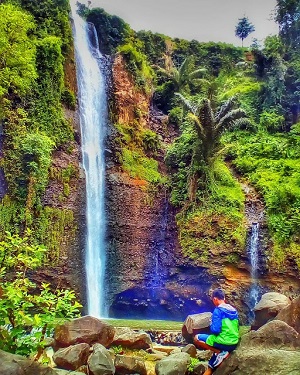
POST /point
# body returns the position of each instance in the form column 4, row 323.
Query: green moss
column 141, row 167
column 216, row 225
column 52, row 228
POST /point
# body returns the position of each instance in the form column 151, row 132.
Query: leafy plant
column 28, row 316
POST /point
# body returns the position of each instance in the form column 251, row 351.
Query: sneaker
column 220, row 358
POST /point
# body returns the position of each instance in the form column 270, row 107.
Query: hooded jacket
column 224, row 326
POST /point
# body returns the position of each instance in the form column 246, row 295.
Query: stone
column 12, row 364
column 72, row 357
column 100, row 362
column 190, row 349
column 268, row 307
column 274, row 349
column 275, row 334
column 176, row 364
column 196, row 323
column 199, row 369
column 129, row 365
column 129, row 338
column 86, row 329
column 291, row 314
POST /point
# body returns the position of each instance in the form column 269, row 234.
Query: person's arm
column 216, row 321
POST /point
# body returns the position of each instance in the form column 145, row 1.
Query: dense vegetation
column 261, row 146
column 35, row 44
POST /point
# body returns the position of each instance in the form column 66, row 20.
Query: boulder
column 196, row 323
column 129, row 365
column 291, row 314
column 129, row 338
column 100, row 362
column 268, row 307
column 12, row 364
column 190, row 349
column 274, row 349
column 72, row 357
column 175, row 364
column 86, row 329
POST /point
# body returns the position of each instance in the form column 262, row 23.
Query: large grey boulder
column 86, row 329
column 72, row 357
column 12, row 364
column 291, row 314
column 174, row 364
column 129, row 365
column 196, row 323
column 100, row 361
column 274, row 349
column 129, row 338
column 268, row 307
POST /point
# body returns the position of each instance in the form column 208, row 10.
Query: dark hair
column 218, row 293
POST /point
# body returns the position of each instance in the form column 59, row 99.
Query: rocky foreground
column 90, row 346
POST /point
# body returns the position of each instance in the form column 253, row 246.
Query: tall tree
column 244, row 28
column 288, row 18
column 209, row 126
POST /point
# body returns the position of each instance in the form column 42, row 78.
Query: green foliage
column 28, row 317
column 52, row 228
column 193, row 363
column 68, row 97
column 137, row 65
column 175, row 116
column 52, row 18
column 141, row 167
column 20, row 253
column 17, row 51
column 244, row 28
column 154, row 46
column 151, row 140
column 271, row 121
column 272, row 162
column 216, row 224
column 112, row 31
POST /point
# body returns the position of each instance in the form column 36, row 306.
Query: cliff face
column 147, row 275
column 65, row 200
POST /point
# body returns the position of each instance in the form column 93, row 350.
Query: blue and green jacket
column 224, row 326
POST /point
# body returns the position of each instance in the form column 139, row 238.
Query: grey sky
column 203, row 20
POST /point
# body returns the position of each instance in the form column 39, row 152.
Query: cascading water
column 253, row 255
column 93, row 119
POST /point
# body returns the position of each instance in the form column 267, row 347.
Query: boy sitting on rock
column 225, row 332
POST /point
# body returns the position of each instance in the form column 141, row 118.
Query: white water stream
column 93, row 119
column 253, row 254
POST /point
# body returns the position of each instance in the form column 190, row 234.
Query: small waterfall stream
column 253, row 255
column 93, row 120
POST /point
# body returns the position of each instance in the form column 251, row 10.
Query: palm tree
column 184, row 75
column 209, row 127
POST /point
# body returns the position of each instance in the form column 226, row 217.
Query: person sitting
column 225, row 332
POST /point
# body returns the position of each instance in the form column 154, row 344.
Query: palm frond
column 198, row 126
column 187, row 103
column 225, row 108
column 198, row 73
column 243, row 123
column 228, row 120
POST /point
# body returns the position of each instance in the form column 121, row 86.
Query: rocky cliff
column 147, row 274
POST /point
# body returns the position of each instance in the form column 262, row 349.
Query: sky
column 203, row 20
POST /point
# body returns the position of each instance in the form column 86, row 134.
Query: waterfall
column 158, row 276
column 93, row 118
column 253, row 255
